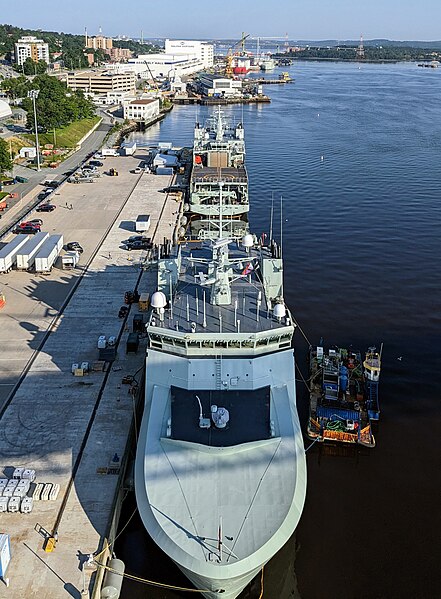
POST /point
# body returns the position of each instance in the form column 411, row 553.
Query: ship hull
column 167, row 470
column 231, row 588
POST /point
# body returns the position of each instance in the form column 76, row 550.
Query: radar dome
column 279, row 310
column 247, row 241
column 158, row 300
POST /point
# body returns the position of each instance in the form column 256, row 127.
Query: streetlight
column 33, row 94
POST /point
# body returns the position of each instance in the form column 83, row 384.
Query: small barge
column 343, row 395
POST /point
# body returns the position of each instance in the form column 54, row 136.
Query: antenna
column 219, row 541
column 281, row 236
column 271, row 219
column 142, row 36
column 220, row 209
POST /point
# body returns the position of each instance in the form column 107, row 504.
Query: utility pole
column 33, row 95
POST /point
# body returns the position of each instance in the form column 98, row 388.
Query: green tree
column 16, row 87
column 56, row 105
column 30, row 67
column 5, row 157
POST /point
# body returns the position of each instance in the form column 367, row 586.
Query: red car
column 35, row 224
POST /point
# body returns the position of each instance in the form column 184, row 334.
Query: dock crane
column 155, row 83
column 229, row 65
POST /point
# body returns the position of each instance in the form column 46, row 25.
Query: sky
column 207, row 19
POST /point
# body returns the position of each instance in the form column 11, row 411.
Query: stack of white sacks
column 14, row 491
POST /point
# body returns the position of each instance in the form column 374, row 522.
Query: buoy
column 322, row 157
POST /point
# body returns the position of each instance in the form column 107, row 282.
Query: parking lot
column 84, row 213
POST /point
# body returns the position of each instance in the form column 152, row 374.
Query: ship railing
column 228, row 179
column 340, row 436
column 203, row 343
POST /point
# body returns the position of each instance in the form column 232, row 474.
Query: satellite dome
column 279, row 310
column 5, row 109
column 158, row 300
column 247, row 241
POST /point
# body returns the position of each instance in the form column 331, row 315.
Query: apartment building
column 31, row 47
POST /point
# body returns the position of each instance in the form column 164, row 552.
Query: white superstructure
column 220, row 467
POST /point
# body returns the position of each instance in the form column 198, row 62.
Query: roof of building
column 5, row 109
column 143, row 101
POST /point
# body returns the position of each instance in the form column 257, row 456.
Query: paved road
column 91, row 144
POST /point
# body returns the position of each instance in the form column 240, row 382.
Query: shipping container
column 128, row 149
column 26, row 255
column 48, row 253
column 9, row 252
column 165, row 160
column 142, row 223
column 164, row 170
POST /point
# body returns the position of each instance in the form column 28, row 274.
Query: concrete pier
column 70, row 428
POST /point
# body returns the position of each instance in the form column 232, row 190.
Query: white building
column 202, row 50
column 214, row 85
column 181, row 57
column 141, row 110
column 98, row 82
column 30, row 47
column 166, row 65
column 5, row 110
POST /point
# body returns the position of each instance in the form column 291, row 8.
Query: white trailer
column 109, row 152
column 49, row 252
column 9, row 252
column 26, row 254
column 142, row 223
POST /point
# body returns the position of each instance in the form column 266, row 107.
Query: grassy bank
column 66, row 137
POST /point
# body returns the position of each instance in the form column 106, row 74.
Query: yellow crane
column 229, row 65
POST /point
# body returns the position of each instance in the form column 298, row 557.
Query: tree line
column 374, row 53
column 71, row 47
column 57, row 105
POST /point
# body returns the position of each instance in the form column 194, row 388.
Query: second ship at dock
column 218, row 196
column 220, row 471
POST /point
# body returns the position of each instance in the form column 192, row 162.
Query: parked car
column 96, row 163
column 35, row 221
column 139, row 245
column 136, row 238
column 29, row 224
column 28, row 230
column 74, row 246
column 136, row 171
column 45, row 208
column 53, row 184
column 43, row 194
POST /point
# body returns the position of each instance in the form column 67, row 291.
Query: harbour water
column 355, row 152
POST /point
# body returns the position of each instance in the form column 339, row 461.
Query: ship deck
column 212, row 174
column 249, row 416
column 188, row 305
